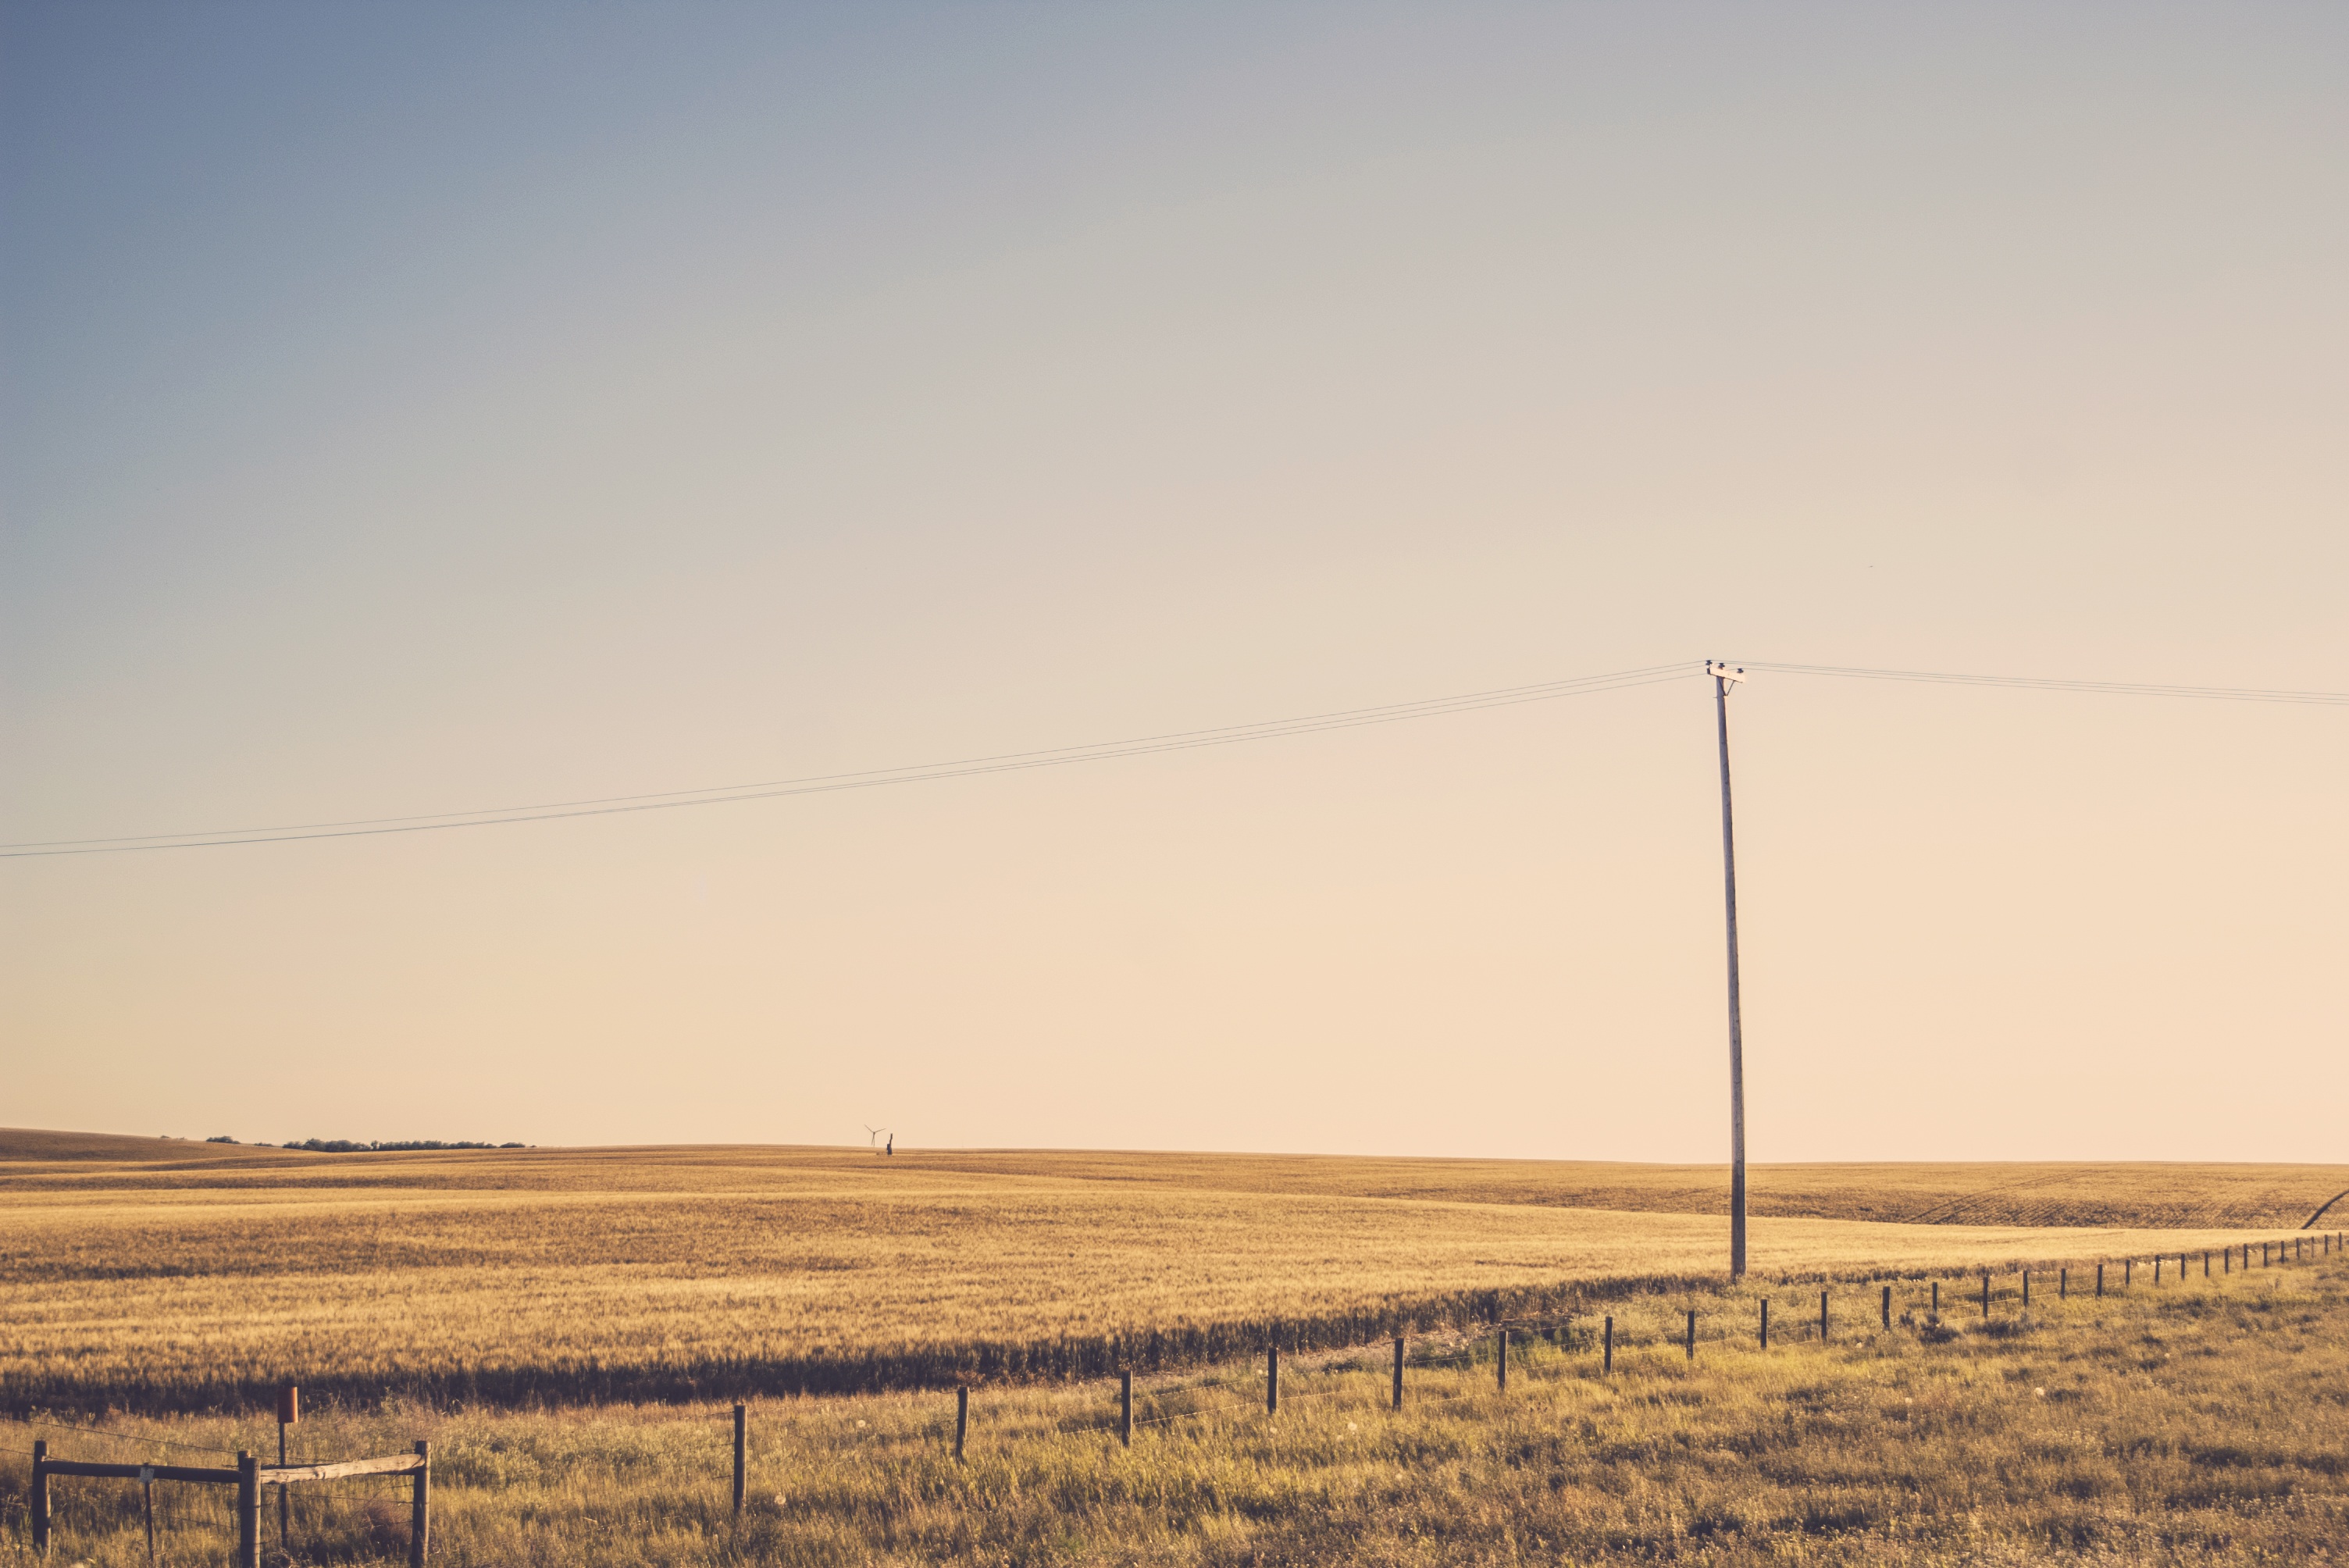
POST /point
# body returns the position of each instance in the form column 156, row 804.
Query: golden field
column 162, row 1275
column 2196, row 1422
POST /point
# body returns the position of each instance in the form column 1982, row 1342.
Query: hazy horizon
column 419, row 408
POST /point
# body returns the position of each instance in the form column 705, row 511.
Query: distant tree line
column 353, row 1146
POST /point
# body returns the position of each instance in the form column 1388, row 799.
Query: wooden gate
column 249, row 1476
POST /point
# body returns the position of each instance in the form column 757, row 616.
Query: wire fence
column 368, row 1515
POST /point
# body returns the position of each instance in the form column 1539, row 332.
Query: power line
column 819, row 784
column 2043, row 683
column 1141, row 746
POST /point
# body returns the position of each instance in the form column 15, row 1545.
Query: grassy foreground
column 2189, row 1423
column 163, row 1275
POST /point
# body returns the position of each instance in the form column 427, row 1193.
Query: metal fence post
column 40, row 1498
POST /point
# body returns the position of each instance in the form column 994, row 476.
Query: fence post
column 1823, row 1317
column 1888, row 1307
column 2026, row 1290
column 2129, row 1273
column 289, row 1413
column 2226, row 1260
column 1985, row 1295
column 1272, row 1380
column 1937, row 1300
column 1765, row 1323
column 1398, row 1372
column 2205, row 1265
column 2100, row 1280
column 1608, row 1365
column 1125, row 1408
column 248, row 1511
column 742, row 1434
column 1691, row 1333
column 2063, row 1284
column 1501, row 1361
column 2157, row 1268
column 40, row 1499
column 962, row 1418
column 420, row 1507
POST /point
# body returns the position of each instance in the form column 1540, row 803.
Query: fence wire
column 367, row 1516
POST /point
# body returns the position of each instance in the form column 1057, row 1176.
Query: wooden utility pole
column 1723, row 678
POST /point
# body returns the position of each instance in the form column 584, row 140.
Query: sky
column 423, row 407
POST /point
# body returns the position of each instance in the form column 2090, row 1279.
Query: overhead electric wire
column 1056, row 757
column 818, row 784
column 2043, row 683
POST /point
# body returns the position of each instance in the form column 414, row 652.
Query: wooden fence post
column 2226, row 1260
column 2205, row 1265
column 1501, row 1361
column 420, row 1507
column 1888, row 1307
column 2100, row 1280
column 1937, row 1300
column 1765, row 1323
column 1398, row 1372
column 741, row 1453
column 2157, row 1268
column 1691, row 1333
column 1608, row 1365
column 962, row 1418
column 1823, row 1317
column 2026, row 1290
column 1125, row 1408
column 2129, row 1273
column 40, row 1498
column 1985, row 1297
column 2063, row 1284
column 248, row 1511
column 1272, row 1380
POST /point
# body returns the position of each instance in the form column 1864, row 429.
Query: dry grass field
column 2194, row 1422
column 161, row 1274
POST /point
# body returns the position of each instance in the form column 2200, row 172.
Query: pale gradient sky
column 411, row 408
